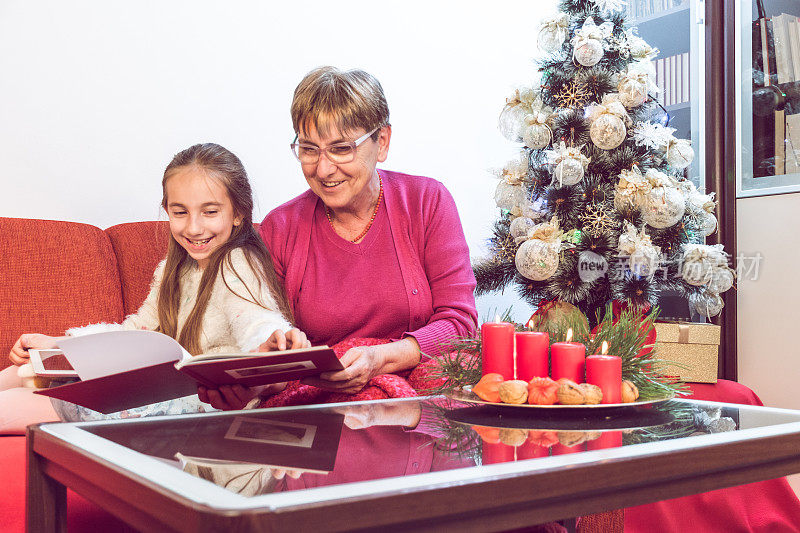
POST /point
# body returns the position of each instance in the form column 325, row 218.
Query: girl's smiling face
column 201, row 215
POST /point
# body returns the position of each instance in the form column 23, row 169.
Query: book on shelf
column 792, row 164
column 686, row 78
column 125, row 369
column 780, row 142
column 783, row 51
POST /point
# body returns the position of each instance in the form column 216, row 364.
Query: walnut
column 593, row 393
column 514, row 391
column 571, row 438
column 513, row 437
column 570, row 393
column 629, row 392
column 593, row 435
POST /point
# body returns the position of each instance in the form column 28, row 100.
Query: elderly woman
column 366, row 252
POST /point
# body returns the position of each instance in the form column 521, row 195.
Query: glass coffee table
column 419, row 463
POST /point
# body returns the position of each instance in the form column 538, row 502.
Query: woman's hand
column 292, row 339
column 19, row 353
column 362, row 416
column 234, row 397
column 361, row 364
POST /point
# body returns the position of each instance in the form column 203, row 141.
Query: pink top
column 432, row 293
column 356, row 298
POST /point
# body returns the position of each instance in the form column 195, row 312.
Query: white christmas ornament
column 588, row 42
column 520, row 226
column 708, row 305
column 519, row 105
column 552, row 33
column 610, row 6
column 664, row 204
column 699, row 262
column 534, row 210
column 536, row 134
column 537, row 255
column 643, row 256
column 638, row 47
column 570, row 164
column 635, row 84
column 631, row 189
column 721, row 280
column 607, row 120
column 510, row 192
column 679, row 153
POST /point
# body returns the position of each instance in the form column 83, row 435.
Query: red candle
column 567, row 360
column 532, row 354
column 607, row 439
column 605, row 371
column 497, row 348
column 531, row 450
column 493, row 453
column 561, row 449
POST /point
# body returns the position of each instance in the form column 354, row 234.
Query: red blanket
column 378, row 388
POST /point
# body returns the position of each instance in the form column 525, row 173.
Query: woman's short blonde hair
column 347, row 100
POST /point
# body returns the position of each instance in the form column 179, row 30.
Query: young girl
column 216, row 291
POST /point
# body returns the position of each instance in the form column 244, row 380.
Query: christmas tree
column 598, row 206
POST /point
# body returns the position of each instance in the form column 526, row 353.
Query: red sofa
column 56, row 275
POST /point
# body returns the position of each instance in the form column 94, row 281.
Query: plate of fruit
column 546, row 393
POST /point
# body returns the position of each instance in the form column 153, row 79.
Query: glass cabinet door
column 675, row 27
column 767, row 53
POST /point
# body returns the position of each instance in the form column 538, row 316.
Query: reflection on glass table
column 263, row 452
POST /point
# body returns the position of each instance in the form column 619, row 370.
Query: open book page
column 112, row 352
column 217, row 356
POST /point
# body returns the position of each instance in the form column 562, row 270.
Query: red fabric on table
column 57, row 275
column 766, row 506
column 139, row 247
column 82, row 515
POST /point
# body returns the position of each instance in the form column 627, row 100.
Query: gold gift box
column 695, row 347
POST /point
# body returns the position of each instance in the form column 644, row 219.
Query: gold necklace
column 371, row 219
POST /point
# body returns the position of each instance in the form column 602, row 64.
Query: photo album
column 125, row 369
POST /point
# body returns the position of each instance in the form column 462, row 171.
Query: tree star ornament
column 597, row 219
column 572, row 95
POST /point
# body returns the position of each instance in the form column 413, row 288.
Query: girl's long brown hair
column 224, row 166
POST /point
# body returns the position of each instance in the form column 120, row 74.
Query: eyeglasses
column 341, row 152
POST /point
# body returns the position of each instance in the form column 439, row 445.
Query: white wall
column 767, row 317
column 96, row 96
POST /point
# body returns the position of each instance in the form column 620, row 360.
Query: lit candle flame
column 530, row 324
column 569, row 335
column 497, row 318
column 604, row 348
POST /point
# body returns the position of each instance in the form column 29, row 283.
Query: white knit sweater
column 231, row 323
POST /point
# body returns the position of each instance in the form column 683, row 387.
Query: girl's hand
column 292, row 339
column 19, row 353
column 234, row 397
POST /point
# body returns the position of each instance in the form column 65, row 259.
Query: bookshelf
column 673, row 26
column 767, row 81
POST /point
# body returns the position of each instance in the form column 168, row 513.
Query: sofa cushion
column 139, row 246
column 56, row 275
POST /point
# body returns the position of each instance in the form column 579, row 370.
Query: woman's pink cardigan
column 431, row 249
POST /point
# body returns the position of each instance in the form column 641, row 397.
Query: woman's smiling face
column 341, row 185
column 201, row 215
